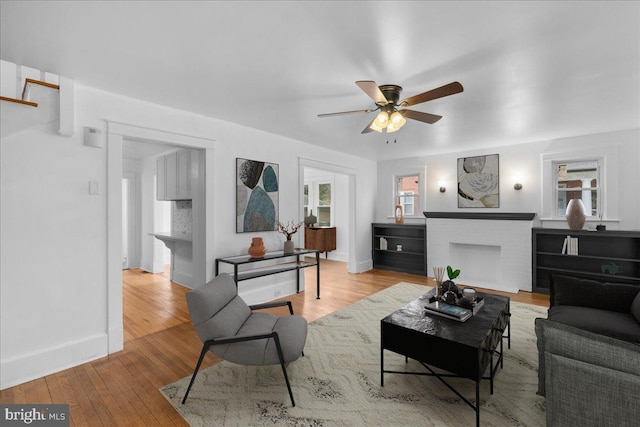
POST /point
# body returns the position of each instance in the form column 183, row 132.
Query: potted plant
column 288, row 230
column 449, row 285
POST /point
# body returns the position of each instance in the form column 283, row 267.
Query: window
column 406, row 200
column 318, row 199
column 407, row 191
column 577, row 180
column 591, row 175
column 324, row 204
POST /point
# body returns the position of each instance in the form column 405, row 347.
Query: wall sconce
column 517, row 186
column 442, row 187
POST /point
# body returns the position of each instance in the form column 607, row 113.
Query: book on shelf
column 449, row 311
column 570, row 246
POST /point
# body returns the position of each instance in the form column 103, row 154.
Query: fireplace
column 491, row 250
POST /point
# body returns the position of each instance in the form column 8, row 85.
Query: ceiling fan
column 393, row 114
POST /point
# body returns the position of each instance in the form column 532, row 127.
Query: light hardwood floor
column 161, row 347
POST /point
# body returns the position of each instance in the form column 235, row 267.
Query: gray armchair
column 231, row 329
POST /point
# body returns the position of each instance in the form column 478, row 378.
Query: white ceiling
column 531, row 70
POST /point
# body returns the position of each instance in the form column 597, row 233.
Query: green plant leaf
column 452, row 273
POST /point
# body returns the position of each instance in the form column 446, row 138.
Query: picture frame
column 479, row 181
column 257, row 195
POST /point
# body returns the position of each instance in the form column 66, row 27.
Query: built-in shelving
column 413, row 256
column 602, row 255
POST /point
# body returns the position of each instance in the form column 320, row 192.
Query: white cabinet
column 174, row 175
column 160, row 179
column 183, row 174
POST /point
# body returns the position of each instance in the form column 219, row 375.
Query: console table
column 282, row 265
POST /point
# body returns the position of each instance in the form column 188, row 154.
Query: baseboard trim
column 182, row 279
column 336, row 256
column 22, row 369
column 363, row 266
column 150, row 267
column 270, row 292
column 116, row 339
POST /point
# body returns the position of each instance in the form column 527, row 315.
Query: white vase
column 576, row 214
column 289, row 247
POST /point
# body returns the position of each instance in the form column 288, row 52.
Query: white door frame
column 352, row 266
column 203, row 215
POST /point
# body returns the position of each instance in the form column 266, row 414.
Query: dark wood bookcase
column 602, row 255
column 413, row 257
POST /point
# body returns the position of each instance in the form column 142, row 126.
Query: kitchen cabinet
column 174, row 173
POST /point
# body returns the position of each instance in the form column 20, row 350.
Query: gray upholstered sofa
column 589, row 353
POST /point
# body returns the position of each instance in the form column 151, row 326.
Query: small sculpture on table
column 449, row 285
column 257, row 249
column 288, row 230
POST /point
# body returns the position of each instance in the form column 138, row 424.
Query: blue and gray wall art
column 257, row 189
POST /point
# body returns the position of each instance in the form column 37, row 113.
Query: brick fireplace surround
column 492, row 250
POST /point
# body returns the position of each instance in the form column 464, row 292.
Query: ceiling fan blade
column 420, row 116
column 371, row 88
column 442, row 91
column 368, row 128
column 343, row 112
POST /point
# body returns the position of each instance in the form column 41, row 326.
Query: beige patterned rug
column 337, row 382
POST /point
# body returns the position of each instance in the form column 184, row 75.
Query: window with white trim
column 325, row 204
column 318, row 200
column 407, row 191
column 578, row 180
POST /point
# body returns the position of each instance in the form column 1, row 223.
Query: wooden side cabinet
column 606, row 256
column 322, row 239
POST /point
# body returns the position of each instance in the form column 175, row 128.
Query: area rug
column 337, row 382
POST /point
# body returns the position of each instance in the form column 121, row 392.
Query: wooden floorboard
column 161, row 346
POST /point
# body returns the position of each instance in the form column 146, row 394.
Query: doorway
column 118, row 133
column 331, row 189
column 326, row 195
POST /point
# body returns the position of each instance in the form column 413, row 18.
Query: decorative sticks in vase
column 438, row 274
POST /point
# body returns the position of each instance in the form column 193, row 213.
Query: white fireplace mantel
column 492, row 250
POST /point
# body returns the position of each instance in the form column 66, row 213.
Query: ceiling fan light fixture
column 382, row 119
column 396, row 124
column 392, row 128
column 375, row 126
column 396, row 117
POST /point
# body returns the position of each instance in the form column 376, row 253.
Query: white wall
column 523, row 163
column 52, row 254
column 132, row 169
column 53, row 275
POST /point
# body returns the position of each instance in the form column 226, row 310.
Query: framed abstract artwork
column 478, row 182
column 257, row 190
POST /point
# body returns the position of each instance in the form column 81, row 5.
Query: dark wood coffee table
column 464, row 349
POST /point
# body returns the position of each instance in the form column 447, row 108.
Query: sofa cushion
column 580, row 345
column 575, row 291
column 605, row 322
column 635, row 308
